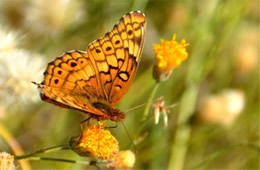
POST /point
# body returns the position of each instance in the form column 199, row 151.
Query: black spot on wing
column 73, row 64
column 130, row 32
column 98, row 50
column 119, row 86
column 108, row 48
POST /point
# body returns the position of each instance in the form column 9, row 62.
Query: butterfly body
column 94, row 81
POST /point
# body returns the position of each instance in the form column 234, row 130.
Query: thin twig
column 44, row 150
column 36, row 158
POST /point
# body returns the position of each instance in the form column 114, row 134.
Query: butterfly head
column 116, row 115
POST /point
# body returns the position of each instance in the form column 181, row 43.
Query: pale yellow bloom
column 223, row 108
column 123, row 159
column 6, row 161
column 96, row 141
column 169, row 54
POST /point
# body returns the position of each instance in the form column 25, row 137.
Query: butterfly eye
column 114, row 118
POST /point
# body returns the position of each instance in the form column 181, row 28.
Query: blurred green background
column 220, row 74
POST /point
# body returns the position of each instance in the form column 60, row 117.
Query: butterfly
column 93, row 82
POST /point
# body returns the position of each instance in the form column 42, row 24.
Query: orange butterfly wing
column 93, row 82
column 117, row 55
column 70, row 81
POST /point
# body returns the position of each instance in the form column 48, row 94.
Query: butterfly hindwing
column 71, row 70
column 71, row 81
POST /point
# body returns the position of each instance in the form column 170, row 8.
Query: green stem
column 183, row 130
column 179, row 147
column 44, row 150
column 147, row 108
column 36, row 158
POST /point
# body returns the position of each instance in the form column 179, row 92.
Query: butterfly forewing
column 117, row 54
column 101, row 76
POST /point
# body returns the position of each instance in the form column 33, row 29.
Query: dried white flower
column 160, row 108
column 51, row 17
column 18, row 69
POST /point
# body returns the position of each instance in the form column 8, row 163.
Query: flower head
column 169, row 55
column 6, row 161
column 96, row 141
column 222, row 109
column 123, row 159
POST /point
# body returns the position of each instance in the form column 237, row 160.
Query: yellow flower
column 169, row 55
column 124, row 159
column 96, row 141
column 6, row 161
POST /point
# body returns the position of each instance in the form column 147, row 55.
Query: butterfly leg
column 82, row 127
column 82, row 122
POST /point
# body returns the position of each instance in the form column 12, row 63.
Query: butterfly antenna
column 141, row 105
column 130, row 138
column 37, row 84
